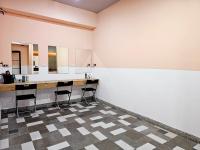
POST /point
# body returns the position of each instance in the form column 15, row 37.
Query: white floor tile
column 39, row 112
column 94, row 103
column 64, row 132
column 146, row 146
column 61, row 119
column 84, row 110
column 98, row 124
column 83, row 131
column 34, row 123
column 4, row 127
column 35, row 135
column 157, row 138
column 53, row 114
column 124, row 116
column 27, row 146
column 140, row 128
column 178, row 148
column 80, row 120
column 118, row 131
column 79, row 105
column 69, row 116
column 107, row 112
column 96, row 118
column 34, row 115
column 90, row 107
column 20, row 120
column 72, row 109
column 4, row 143
column 107, row 107
column 91, row 147
column 99, row 135
column 51, row 127
column 171, row 135
column 124, row 122
column 59, row 146
column 124, row 145
column 53, row 108
column 197, row 147
column 103, row 125
column 4, row 120
column 108, row 125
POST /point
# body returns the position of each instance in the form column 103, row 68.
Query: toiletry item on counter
column 23, row 78
column 86, row 76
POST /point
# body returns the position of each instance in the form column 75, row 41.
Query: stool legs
column 84, row 98
column 56, row 99
column 69, row 95
column 35, row 105
column 17, row 108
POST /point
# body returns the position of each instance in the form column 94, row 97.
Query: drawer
column 79, row 82
column 41, row 86
column 7, row 87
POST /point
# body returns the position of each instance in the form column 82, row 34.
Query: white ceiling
column 90, row 5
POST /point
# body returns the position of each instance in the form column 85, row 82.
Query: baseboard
column 166, row 127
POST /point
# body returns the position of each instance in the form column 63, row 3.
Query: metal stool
column 90, row 86
column 20, row 97
column 63, row 92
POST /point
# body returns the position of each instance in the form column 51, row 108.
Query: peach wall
column 149, row 34
column 31, row 31
column 52, row 9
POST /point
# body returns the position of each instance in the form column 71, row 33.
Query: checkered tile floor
column 94, row 127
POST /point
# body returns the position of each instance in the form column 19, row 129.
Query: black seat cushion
column 62, row 92
column 88, row 89
column 24, row 97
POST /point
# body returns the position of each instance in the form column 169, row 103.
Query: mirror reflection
column 83, row 58
column 58, row 59
column 63, row 61
column 25, row 58
column 52, row 59
column 35, row 59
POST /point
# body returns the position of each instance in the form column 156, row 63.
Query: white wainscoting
column 168, row 96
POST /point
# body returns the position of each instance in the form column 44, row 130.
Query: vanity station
column 41, row 85
column 63, row 64
column 44, row 88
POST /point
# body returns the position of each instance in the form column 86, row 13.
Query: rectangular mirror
column 83, row 60
column 58, row 59
column 63, row 60
column 25, row 58
column 35, row 59
column 52, row 59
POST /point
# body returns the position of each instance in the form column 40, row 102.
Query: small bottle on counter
column 86, row 76
column 23, row 78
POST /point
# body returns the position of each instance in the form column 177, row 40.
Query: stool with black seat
column 22, row 89
column 90, row 87
column 61, row 91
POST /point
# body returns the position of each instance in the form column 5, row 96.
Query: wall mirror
column 25, row 58
column 58, row 61
column 83, row 60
